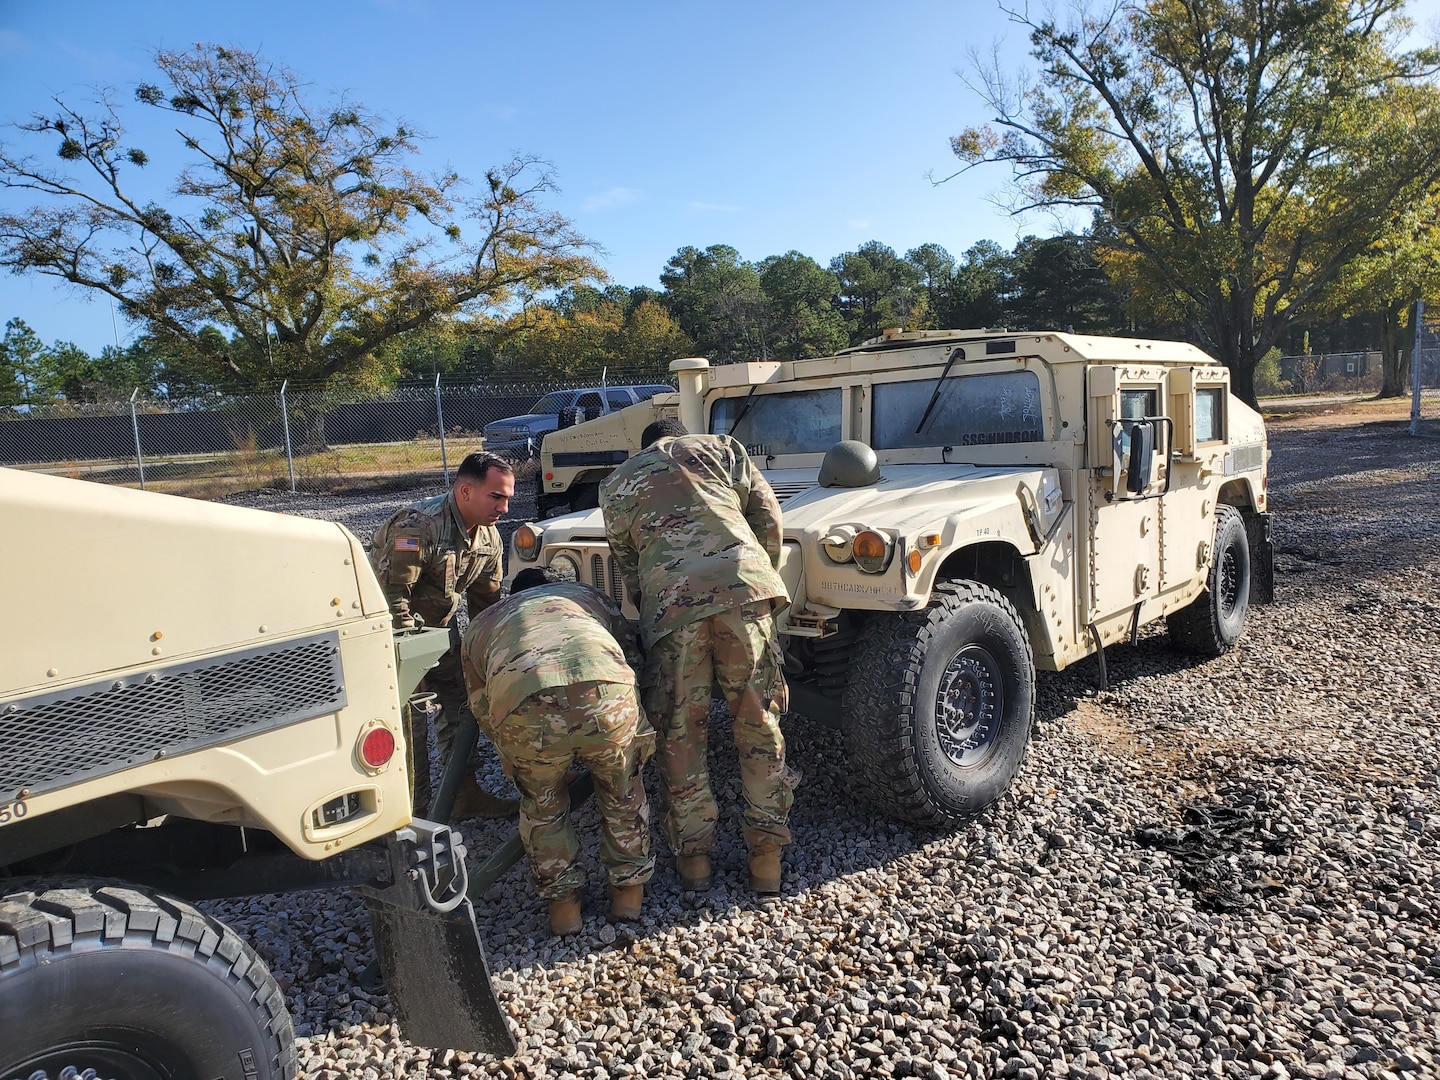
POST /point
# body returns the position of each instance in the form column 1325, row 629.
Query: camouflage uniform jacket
column 547, row 636
column 425, row 558
column 694, row 528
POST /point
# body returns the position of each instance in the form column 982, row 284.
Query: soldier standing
column 696, row 532
column 429, row 555
column 551, row 677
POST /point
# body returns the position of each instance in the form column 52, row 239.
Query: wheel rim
column 968, row 706
column 87, row 1061
column 1229, row 582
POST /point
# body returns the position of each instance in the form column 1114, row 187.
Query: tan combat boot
column 694, row 871
column 565, row 915
column 625, row 902
column 765, row 871
column 473, row 801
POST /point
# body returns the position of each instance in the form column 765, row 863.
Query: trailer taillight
column 377, row 747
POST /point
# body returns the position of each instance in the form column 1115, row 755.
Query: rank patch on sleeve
column 407, row 543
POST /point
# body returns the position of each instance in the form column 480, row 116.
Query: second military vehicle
column 962, row 508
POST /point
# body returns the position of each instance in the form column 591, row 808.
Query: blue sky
column 769, row 126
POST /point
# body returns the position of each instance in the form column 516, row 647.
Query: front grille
column 605, row 575
column 52, row 740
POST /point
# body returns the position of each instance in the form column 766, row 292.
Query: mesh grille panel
column 605, row 575
column 52, row 740
column 1243, row 459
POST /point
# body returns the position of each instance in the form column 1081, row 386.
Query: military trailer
column 202, row 701
column 962, row 508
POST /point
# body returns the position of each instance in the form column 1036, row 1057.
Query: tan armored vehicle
column 961, row 508
column 199, row 701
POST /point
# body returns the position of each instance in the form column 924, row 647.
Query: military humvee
column 202, row 701
column 962, row 508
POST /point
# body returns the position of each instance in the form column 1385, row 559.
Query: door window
column 1210, row 414
column 1135, row 404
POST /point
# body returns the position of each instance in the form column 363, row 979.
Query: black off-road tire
column 135, row 985
column 1213, row 622
column 910, row 759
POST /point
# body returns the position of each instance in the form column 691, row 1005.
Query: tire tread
column 39, row 921
column 879, row 702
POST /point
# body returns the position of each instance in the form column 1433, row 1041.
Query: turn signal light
column 527, row 543
column 377, row 747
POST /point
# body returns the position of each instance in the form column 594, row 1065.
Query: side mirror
column 1141, row 464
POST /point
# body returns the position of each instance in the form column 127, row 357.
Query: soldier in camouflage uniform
column 551, row 676
column 429, row 555
column 696, row 532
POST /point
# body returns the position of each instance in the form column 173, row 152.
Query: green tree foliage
column 715, row 297
column 878, row 289
column 585, row 331
column 62, row 372
column 1401, row 267
column 303, row 231
column 1242, row 152
column 22, row 363
column 1058, row 285
column 800, row 314
column 981, row 288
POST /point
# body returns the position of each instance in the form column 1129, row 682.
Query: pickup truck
column 519, row 436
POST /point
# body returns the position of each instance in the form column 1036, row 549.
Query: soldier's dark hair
column 532, row 576
column 662, row 429
column 477, row 466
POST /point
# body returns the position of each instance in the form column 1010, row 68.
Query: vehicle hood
column 529, row 420
column 908, row 497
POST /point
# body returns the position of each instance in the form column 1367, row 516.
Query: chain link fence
column 302, row 439
column 1425, row 378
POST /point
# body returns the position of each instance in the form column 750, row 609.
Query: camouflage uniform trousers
column 739, row 649
column 601, row 724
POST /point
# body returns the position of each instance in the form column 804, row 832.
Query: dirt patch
column 1330, row 414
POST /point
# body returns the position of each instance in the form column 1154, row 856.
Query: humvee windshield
column 799, row 422
column 972, row 410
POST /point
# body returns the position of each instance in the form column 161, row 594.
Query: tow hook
column 436, row 863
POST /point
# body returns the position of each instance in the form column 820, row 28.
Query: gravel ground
column 1226, row 869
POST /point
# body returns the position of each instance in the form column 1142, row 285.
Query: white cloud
column 716, row 208
column 615, row 196
column 859, row 223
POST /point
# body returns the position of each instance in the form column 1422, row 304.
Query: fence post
column 440, row 423
column 135, row 426
column 285, row 417
column 1415, row 364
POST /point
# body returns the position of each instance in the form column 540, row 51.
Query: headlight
column 838, row 543
column 872, row 551
column 527, row 543
column 566, row 565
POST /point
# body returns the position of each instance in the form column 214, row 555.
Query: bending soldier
column 551, row 676
column 696, row 531
column 429, row 555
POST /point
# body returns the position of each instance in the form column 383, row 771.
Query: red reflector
column 549, row 476
column 377, row 747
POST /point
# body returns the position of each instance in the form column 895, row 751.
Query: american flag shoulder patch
column 406, row 543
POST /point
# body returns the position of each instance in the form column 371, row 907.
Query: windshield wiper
column 744, row 409
column 958, row 354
